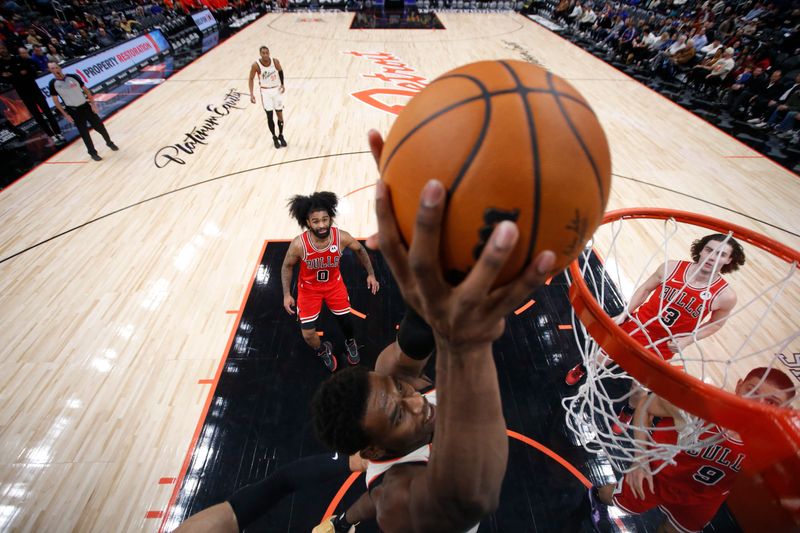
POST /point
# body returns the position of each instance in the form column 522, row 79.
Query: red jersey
column 682, row 306
column 320, row 266
column 704, row 474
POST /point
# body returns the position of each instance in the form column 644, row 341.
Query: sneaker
column 575, row 375
column 785, row 135
column 282, row 140
column 325, row 353
column 276, row 141
column 96, row 157
column 352, row 352
column 601, row 522
column 754, row 121
column 113, row 146
column 623, row 418
column 57, row 140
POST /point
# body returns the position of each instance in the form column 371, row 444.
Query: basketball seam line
column 520, row 89
column 536, row 164
column 487, row 115
column 578, row 137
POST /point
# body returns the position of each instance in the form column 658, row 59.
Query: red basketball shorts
column 686, row 513
column 310, row 299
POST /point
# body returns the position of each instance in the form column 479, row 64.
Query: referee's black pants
column 82, row 115
column 34, row 100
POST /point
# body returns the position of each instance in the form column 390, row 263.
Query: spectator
column 103, row 39
column 576, row 13
column 75, row 46
column 719, row 70
column 128, row 27
column 37, row 54
column 765, row 99
column 785, row 114
column 710, row 49
column 587, row 20
column 21, row 74
column 33, row 39
column 726, row 28
column 625, row 44
column 743, row 85
column 53, row 55
column 781, row 104
column 699, row 39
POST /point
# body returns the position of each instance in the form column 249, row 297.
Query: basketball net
column 763, row 330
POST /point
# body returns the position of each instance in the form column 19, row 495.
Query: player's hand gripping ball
column 510, row 141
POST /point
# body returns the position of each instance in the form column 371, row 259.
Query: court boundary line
column 167, row 193
column 211, row 390
column 310, row 158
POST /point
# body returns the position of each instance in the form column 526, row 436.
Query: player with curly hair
column 318, row 250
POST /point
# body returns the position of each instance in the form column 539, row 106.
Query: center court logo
column 405, row 80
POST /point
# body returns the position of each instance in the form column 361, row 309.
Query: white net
column 684, row 319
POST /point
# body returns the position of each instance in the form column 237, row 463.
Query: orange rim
column 771, row 433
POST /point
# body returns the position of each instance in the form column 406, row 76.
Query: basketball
column 510, row 141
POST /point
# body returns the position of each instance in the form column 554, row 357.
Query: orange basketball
column 510, row 141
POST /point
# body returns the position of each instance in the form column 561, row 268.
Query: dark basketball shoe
column 601, row 522
column 325, row 353
column 352, row 352
column 282, row 140
column 575, row 375
column 276, row 141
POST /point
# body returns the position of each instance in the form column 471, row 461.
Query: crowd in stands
column 742, row 56
column 82, row 28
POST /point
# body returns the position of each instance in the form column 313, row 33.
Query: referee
column 80, row 107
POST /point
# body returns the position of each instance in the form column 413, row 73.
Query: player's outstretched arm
column 642, row 292
column 640, row 478
column 462, row 481
column 293, row 255
column 348, row 241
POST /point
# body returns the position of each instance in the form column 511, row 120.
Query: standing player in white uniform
column 270, row 81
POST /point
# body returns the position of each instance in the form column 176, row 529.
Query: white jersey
column 376, row 469
column 268, row 76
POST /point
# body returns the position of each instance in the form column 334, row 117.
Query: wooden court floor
column 120, row 281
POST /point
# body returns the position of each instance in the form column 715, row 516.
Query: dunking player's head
column 356, row 410
column 767, row 385
column 706, row 250
column 264, row 52
column 315, row 211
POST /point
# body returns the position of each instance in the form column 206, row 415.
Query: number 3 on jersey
column 670, row 316
column 322, row 275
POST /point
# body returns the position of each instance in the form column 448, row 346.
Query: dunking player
column 270, row 80
column 689, row 492
column 391, row 417
column 680, row 296
column 318, row 250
